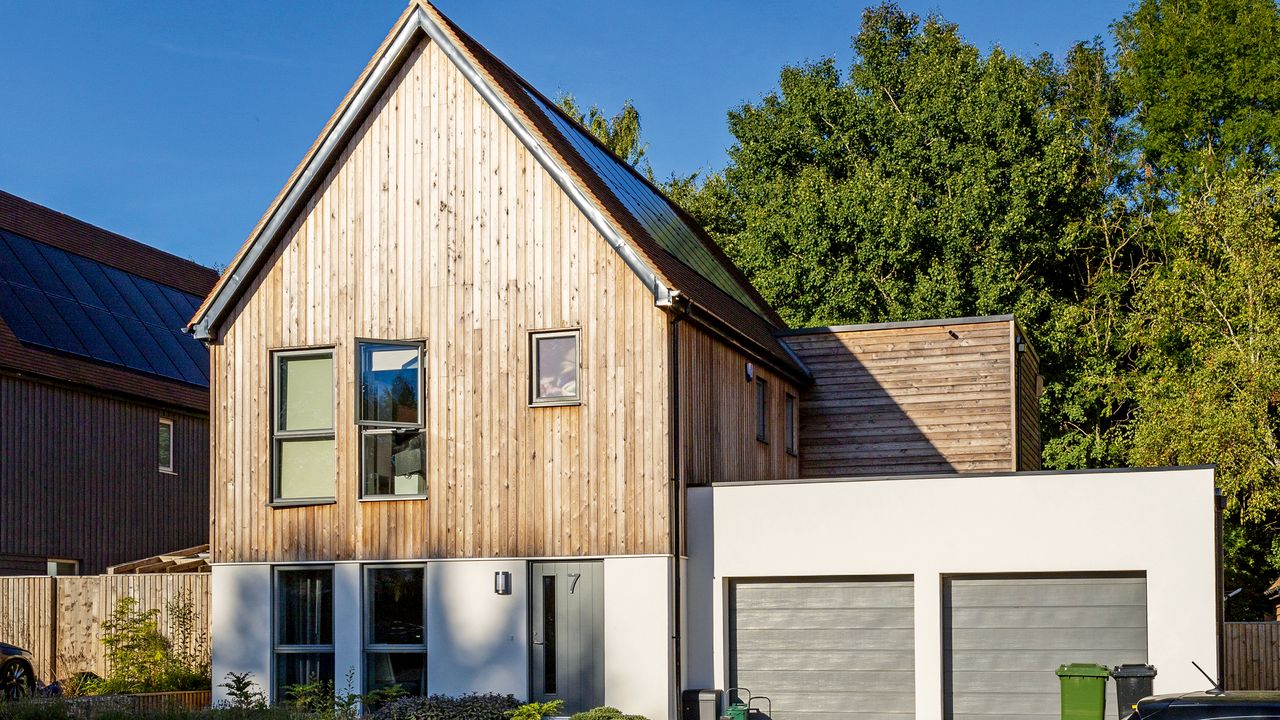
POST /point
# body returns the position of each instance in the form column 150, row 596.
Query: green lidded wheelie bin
column 1084, row 691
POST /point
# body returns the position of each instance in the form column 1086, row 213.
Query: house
column 491, row 414
column 103, row 398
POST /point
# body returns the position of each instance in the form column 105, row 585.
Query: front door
column 567, row 627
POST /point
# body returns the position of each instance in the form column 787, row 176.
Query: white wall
column 348, row 627
column 477, row 640
column 1160, row 522
column 638, row 635
column 240, row 627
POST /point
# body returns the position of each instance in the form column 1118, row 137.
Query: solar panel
column 652, row 211
column 59, row 300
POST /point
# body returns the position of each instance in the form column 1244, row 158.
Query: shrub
column 244, row 692
column 536, row 710
column 605, row 713
column 473, row 706
column 141, row 659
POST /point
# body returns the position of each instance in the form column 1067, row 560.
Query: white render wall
column 240, row 626
column 638, row 636
column 1160, row 522
column 477, row 640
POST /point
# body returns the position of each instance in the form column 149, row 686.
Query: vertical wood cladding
column 912, row 398
column 80, row 478
column 436, row 224
column 718, row 414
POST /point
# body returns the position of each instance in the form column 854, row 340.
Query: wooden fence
column 60, row 619
column 1252, row 651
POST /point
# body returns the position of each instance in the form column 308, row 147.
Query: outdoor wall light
column 502, row 582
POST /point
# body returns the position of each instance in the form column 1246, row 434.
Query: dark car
column 17, row 678
column 1209, row 705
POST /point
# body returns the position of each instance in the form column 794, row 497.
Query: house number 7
column 573, row 582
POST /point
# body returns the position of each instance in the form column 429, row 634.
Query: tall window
column 166, row 445
column 792, row 417
column 392, row 445
column 555, row 368
column 304, row 628
column 762, row 410
column 303, row 448
column 395, row 638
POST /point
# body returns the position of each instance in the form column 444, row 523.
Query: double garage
column 948, row 596
column 845, row 647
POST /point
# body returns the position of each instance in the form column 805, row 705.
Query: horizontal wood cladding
column 80, row 478
column 907, row 399
column 1028, row 408
column 436, row 224
column 718, row 414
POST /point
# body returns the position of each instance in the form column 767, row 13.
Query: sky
column 176, row 123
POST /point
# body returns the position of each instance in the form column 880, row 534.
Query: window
column 304, row 627
column 63, row 567
column 392, row 446
column 762, row 410
column 395, row 639
column 792, row 407
column 303, row 449
column 166, row 445
column 555, row 368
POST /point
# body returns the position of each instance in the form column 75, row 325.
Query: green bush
column 605, row 712
column 141, row 659
column 473, row 706
column 536, row 710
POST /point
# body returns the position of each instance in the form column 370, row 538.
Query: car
column 1209, row 705
column 17, row 674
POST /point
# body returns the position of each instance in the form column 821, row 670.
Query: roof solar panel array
column 59, row 300
column 650, row 209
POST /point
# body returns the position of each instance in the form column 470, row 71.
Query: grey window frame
column 277, row 435
column 762, row 410
column 166, row 468
column 366, row 622
column 534, row 337
column 276, row 624
column 792, row 423
column 75, row 567
column 377, row 427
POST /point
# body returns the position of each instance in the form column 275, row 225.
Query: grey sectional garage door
column 1005, row 637
column 826, row 649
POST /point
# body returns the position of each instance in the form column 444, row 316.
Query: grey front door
column 567, row 626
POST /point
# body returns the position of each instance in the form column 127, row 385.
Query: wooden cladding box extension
column 919, row 397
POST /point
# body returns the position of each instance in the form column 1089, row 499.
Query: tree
column 620, row 133
column 1203, row 77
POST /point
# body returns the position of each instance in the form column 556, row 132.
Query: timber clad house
column 104, row 401
column 489, row 413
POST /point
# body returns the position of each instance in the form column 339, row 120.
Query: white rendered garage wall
column 240, row 627
column 1160, row 522
column 638, row 635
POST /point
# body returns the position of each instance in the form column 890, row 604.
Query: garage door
column 1005, row 636
column 826, row 649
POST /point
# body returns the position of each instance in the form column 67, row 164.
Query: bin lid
column 1128, row 671
column 1084, row 670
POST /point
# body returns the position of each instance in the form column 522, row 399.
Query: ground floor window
column 395, row 634
column 303, row 628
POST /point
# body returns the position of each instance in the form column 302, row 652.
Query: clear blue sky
column 175, row 123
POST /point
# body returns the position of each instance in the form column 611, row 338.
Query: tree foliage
column 620, row 133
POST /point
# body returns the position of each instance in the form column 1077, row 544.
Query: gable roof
column 662, row 245
column 83, row 305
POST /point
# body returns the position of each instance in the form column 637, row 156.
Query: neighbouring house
column 104, row 400
column 489, row 413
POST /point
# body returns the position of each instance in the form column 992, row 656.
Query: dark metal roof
column 55, row 299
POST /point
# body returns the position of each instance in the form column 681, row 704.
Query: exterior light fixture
column 502, row 582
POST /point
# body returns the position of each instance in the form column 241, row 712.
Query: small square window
column 166, row 445
column 762, row 410
column 60, row 568
column 555, row 368
column 392, row 444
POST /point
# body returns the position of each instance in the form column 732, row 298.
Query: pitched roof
column 83, row 305
column 661, row 243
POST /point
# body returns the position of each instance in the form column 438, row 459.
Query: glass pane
column 299, row 668
column 166, row 445
column 306, row 468
column 762, row 411
column 791, row 422
column 390, row 669
column 305, row 606
column 549, row 634
column 306, row 392
column 389, row 383
column 557, row 371
column 395, row 606
column 393, row 464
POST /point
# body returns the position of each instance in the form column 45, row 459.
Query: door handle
column 539, row 642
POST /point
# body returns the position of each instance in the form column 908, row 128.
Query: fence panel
column 27, row 617
column 1252, row 651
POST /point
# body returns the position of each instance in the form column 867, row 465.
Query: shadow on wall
column 474, row 634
